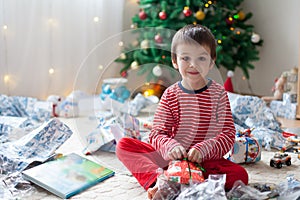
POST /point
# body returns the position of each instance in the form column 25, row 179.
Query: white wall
column 277, row 22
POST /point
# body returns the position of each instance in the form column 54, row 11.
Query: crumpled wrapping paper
column 252, row 112
column 37, row 145
column 13, row 128
column 110, row 130
column 19, row 106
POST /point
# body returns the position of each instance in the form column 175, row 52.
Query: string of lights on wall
column 7, row 76
column 53, row 70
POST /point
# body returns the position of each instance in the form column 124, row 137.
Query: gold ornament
column 241, row 15
column 200, row 15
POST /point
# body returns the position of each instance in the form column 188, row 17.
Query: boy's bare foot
column 151, row 191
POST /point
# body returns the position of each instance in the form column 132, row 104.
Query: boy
column 193, row 119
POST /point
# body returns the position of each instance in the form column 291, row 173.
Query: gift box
column 289, row 98
column 284, row 109
column 246, row 149
column 184, row 172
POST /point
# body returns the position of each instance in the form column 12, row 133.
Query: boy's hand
column 194, row 155
column 177, row 153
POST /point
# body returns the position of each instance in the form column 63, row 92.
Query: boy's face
column 193, row 62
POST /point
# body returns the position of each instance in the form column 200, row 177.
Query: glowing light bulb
column 206, row 5
column 209, row 2
column 6, row 79
column 51, row 71
column 5, row 27
column 96, row 19
column 121, row 43
column 50, row 21
column 219, row 41
column 231, row 28
column 244, row 78
column 100, row 67
column 148, row 92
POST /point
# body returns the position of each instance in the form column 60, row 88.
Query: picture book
column 67, row 175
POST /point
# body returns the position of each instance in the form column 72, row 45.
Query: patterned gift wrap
column 289, row 98
column 184, row 172
column 284, row 109
column 246, row 150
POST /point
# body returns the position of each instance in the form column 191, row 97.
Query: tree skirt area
column 124, row 186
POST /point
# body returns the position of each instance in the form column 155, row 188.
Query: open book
column 68, row 175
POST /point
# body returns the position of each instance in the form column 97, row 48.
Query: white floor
column 124, row 186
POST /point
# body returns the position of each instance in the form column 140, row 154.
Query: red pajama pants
column 142, row 160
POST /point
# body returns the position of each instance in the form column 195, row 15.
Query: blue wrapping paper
column 252, row 112
column 289, row 98
column 284, row 109
column 38, row 145
column 24, row 107
column 110, row 129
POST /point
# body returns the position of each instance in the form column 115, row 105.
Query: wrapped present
column 246, row 149
column 284, row 109
column 289, row 98
column 184, row 172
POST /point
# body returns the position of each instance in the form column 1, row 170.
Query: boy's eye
column 202, row 58
column 185, row 58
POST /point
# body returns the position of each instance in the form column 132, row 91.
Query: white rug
column 124, row 186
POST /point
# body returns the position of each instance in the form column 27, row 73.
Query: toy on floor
column 279, row 159
column 291, row 142
column 56, row 101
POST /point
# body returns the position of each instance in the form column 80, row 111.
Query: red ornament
column 158, row 38
column 229, row 21
column 124, row 74
column 187, row 12
column 162, row 15
column 142, row 15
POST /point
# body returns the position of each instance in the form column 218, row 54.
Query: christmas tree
column 158, row 20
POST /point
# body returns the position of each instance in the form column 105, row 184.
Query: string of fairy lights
column 8, row 77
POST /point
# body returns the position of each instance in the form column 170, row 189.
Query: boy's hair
column 194, row 33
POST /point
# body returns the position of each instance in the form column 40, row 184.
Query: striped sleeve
column 161, row 136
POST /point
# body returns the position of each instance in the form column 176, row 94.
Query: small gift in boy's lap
column 179, row 172
column 184, row 172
